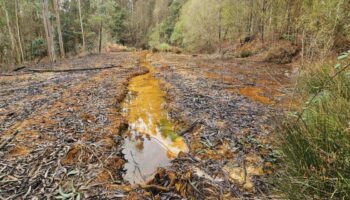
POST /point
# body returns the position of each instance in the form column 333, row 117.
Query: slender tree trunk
column 220, row 26
column 18, row 32
column 13, row 44
column 100, row 42
column 58, row 23
column 131, row 2
column 250, row 24
column 288, row 16
column 263, row 22
column 302, row 48
column 48, row 31
column 81, row 25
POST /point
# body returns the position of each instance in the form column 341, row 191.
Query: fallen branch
column 19, row 68
column 155, row 187
column 29, row 71
column 8, row 74
column 71, row 70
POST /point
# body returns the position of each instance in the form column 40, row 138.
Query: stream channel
column 152, row 141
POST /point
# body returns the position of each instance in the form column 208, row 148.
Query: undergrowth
column 314, row 144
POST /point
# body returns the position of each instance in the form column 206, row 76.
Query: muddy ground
column 61, row 132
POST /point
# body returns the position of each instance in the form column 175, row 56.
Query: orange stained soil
column 18, row 151
column 255, row 94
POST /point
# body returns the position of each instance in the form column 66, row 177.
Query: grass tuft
column 315, row 147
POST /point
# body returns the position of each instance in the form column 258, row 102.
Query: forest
column 174, row 99
column 71, row 27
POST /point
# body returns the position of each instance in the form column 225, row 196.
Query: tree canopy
column 195, row 25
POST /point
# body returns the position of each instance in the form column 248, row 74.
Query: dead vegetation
column 228, row 129
column 61, row 131
column 67, row 127
column 283, row 53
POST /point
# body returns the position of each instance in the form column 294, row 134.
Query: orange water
column 152, row 141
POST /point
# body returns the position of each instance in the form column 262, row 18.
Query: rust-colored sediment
column 255, row 94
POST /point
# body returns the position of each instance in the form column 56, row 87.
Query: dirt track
column 69, row 128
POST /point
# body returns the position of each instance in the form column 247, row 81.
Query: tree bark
column 250, row 24
column 219, row 26
column 58, row 23
column 13, row 44
column 100, row 42
column 18, row 32
column 288, row 16
column 263, row 22
column 81, row 25
column 48, row 31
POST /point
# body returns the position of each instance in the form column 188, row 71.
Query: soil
column 62, row 132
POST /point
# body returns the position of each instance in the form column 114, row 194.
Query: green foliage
column 165, row 47
column 154, row 38
column 322, row 23
column 315, row 150
column 39, row 48
column 318, row 78
column 177, row 37
column 118, row 26
column 167, row 129
column 195, row 25
column 288, row 37
column 168, row 26
column 198, row 25
column 246, row 53
column 164, row 31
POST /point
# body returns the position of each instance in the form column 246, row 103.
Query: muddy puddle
column 151, row 140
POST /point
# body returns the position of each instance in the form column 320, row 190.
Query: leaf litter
column 70, row 129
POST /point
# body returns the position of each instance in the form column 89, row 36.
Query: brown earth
column 61, row 132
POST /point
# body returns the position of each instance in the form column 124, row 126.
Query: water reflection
column 152, row 141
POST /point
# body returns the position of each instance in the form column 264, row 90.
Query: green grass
column 165, row 47
column 315, row 150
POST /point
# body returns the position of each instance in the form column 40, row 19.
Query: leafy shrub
column 314, row 146
column 246, row 53
column 165, row 47
column 38, row 47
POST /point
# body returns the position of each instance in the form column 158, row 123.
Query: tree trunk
column 58, row 23
column 263, row 22
column 48, row 32
column 100, row 42
column 81, row 25
column 18, row 32
column 220, row 26
column 288, row 16
column 131, row 2
column 250, row 24
column 13, row 44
